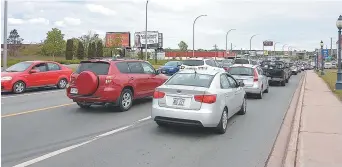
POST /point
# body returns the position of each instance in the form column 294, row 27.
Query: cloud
column 14, row 21
column 72, row 21
column 100, row 9
column 59, row 23
column 39, row 21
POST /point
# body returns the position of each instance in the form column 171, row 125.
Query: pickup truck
column 276, row 71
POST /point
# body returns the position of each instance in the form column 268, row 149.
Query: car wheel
column 266, row 91
column 126, row 100
column 259, row 96
column 62, row 83
column 19, row 87
column 287, row 80
column 83, row 105
column 243, row 109
column 282, row 83
column 162, row 124
column 222, row 126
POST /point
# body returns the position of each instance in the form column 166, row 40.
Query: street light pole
column 338, row 85
column 227, row 40
column 250, row 44
column 283, row 49
column 146, row 32
column 4, row 60
column 322, row 56
column 193, row 35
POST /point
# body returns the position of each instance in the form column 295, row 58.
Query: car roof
column 112, row 59
column 205, row 72
column 199, row 58
column 40, row 61
column 244, row 65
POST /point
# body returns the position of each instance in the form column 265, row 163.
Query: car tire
column 161, row 124
column 287, row 80
column 267, row 90
column 126, row 100
column 82, row 105
column 222, row 126
column 282, row 83
column 243, row 109
column 259, row 96
column 62, row 83
column 19, row 87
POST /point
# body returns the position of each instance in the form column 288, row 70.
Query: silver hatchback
column 199, row 98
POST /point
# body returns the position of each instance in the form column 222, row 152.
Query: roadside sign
column 325, row 53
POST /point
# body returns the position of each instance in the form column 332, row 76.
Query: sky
column 301, row 24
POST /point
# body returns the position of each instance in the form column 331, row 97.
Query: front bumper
column 6, row 86
column 202, row 117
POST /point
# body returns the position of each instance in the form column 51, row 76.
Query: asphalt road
column 38, row 123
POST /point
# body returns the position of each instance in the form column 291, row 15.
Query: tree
column 75, row 47
column 89, row 38
column 92, row 50
column 15, row 42
column 99, row 49
column 183, row 46
column 80, row 51
column 54, row 42
column 69, row 49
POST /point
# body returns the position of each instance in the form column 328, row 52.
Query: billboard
column 268, row 43
column 154, row 39
column 118, row 39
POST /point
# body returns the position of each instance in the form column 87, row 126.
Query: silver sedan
column 199, row 98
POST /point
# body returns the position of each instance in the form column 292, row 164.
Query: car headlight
column 6, row 78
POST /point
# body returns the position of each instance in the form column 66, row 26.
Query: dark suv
column 115, row 82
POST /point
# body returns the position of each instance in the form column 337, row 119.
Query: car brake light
column 72, row 80
column 255, row 76
column 206, row 98
column 158, row 95
column 226, row 68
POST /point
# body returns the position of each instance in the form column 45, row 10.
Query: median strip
column 36, row 110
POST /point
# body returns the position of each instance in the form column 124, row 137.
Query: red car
column 112, row 81
column 32, row 74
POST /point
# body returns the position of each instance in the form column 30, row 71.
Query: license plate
column 178, row 101
column 73, row 90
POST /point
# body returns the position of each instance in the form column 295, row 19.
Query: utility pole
column 5, row 36
column 331, row 44
column 215, row 48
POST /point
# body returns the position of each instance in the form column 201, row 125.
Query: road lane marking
column 36, row 110
column 66, row 149
column 29, row 94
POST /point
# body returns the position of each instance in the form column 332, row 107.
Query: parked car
column 277, row 71
column 201, row 64
column 33, row 74
column 170, row 67
column 204, row 98
column 252, row 76
column 328, row 65
column 115, row 82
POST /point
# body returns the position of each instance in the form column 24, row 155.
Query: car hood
column 10, row 74
column 167, row 67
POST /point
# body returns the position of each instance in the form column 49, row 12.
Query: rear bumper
column 106, row 95
column 202, row 117
column 276, row 79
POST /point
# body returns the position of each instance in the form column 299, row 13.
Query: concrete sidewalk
column 320, row 130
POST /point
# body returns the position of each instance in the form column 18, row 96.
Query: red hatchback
column 31, row 74
column 115, row 82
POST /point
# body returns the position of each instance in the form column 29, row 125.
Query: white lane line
column 29, row 94
column 63, row 150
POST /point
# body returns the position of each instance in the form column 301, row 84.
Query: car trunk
column 181, row 97
column 247, row 80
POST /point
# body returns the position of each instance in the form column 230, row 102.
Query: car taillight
column 206, row 98
column 255, row 76
column 226, row 68
column 158, row 95
column 72, row 80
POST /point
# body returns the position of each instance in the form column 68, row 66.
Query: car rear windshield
column 193, row 62
column 191, row 79
column 99, row 68
column 241, row 61
column 241, row 71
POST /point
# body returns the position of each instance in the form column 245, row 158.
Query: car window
column 191, row 79
column 171, row 63
column 232, row 82
column 135, row 67
column 224, row 82
column 99, row 68
column 193, row 62
column 148, row 69
column 53, row 66
column 19, row 67
column 210, row 63
column 41, row 67
column 241, row 61
column 246, row 71
column 123, row 67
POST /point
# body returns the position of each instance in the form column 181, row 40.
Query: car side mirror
column 34, row 71
column 157, row 72
column 241, row 84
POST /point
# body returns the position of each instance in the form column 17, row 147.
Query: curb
column 283, row 152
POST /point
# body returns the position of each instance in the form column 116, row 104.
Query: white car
column 200, row 64
column 252, row 76
column 328, row 65
column 199, row 98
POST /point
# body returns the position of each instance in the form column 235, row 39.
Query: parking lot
column 38, row 123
